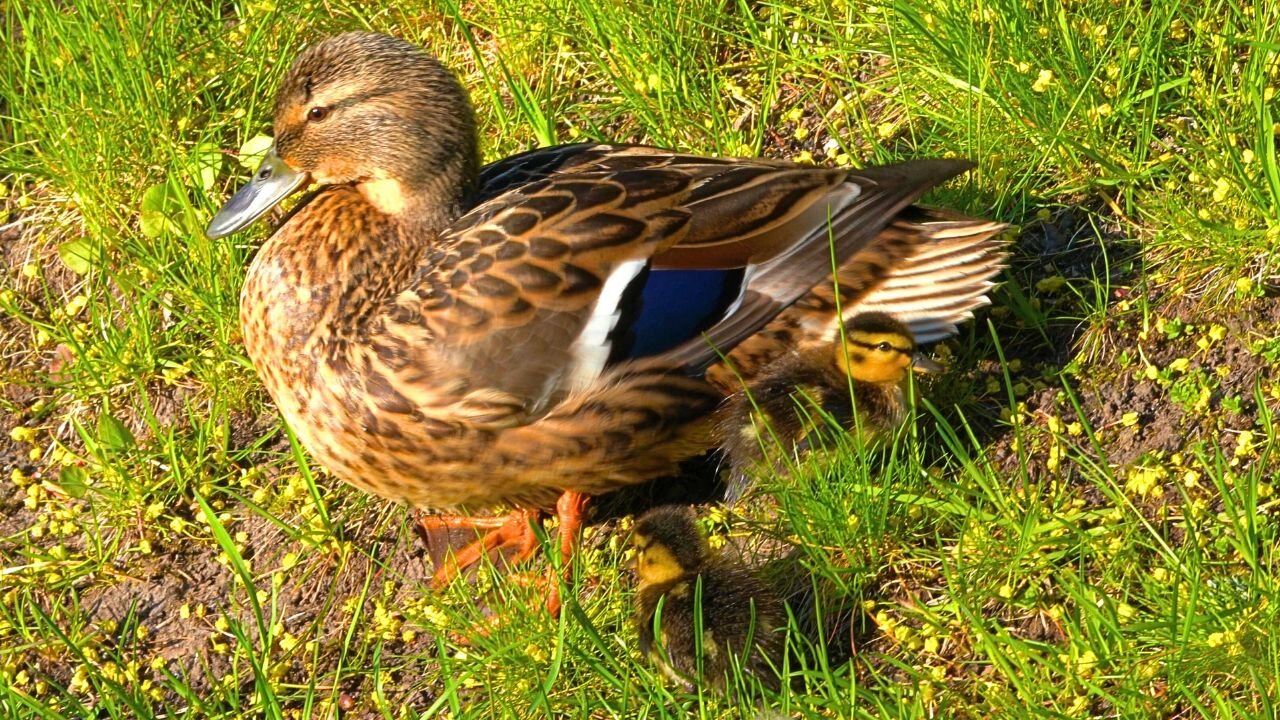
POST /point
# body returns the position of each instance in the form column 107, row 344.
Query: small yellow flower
column 75, row 305
column 1221, row 189
column 1129, row 419
column 1051, row 284
column 1244, row 444
column 1043, row 81
column 1086, row 663
column 1054, row 460
column 23, row 434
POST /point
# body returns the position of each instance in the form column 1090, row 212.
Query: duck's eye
column 884, row 347
column 317, row 113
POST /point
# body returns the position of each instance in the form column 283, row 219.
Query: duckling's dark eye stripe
column 876, row 346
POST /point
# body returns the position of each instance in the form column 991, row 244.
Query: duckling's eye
column 884, row 347
column 317, row 113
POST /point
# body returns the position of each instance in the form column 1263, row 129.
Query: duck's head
column 668, row 544
column 372, row 111
column 879, row 349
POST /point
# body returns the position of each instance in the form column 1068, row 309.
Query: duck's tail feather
column 942, row 284
column 870, row 200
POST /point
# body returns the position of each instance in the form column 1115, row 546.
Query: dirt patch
column 188, row 592
column 1168, row 394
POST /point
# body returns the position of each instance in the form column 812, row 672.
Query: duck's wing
column 941, row 283
column 535, row 291
column 929, row 268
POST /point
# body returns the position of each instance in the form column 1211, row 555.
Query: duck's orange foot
column 569, row 508
column 513, row 534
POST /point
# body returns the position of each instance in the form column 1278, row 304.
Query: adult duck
column 459, row 339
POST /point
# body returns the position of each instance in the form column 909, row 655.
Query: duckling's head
column 668, row 544
column 879, row 349
column 372, row 111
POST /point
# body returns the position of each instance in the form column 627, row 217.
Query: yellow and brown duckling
column 796, row 401
column 684, row 588
column 462, row 338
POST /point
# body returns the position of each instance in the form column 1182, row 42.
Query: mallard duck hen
column 459, row 339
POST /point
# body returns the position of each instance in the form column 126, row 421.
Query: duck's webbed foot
column 513, row 534
column 499, row 534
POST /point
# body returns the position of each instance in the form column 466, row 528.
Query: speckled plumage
column 688, row 586
column 440, row 334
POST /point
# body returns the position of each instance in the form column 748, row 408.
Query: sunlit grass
column 169, row 551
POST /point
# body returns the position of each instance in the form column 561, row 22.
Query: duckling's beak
column 922, row 363
column 272, row 182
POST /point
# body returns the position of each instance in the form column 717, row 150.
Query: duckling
column 534, row 332
column 798, row 397
column 697, row 611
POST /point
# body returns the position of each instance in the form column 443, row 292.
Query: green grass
column 1048, row 542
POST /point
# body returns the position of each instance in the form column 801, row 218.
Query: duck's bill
column 922, row 363
column 272, row 182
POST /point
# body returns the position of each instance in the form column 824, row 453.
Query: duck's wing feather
column 530, row 293
column 881, row 193
column 929, row 268
column 942, row 282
